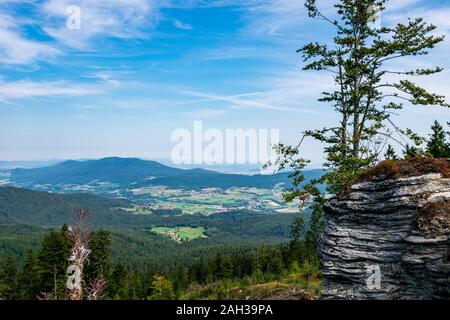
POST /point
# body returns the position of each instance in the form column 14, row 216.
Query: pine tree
column 275, row 264
column 98, row 265
column 316, row 224
column 9, row 279
column 226, row 268
column 390, row 153
column 117, row 286
column 53, row 262
column 297, row 229
column 437, row 145
column 29, row 277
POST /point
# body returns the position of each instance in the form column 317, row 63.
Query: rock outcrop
column 388, row 239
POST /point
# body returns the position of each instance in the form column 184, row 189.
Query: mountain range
column 137, row 172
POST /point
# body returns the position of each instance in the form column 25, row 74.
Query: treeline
column 43, row 272
column 436, row 145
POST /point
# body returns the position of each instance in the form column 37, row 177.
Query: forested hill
column 27, row 207
column 22, row 206
column 126, row 171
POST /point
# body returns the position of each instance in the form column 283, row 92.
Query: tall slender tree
column 29, row 277
column 53, row 262
column 98, row 262
column 367, row 89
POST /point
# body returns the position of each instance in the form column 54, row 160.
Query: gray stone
column 376, row 226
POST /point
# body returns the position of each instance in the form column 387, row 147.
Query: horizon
column 135, row 72
column 242, row 169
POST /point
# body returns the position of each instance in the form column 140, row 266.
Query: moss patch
column 395, row 169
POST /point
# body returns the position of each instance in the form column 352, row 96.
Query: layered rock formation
column 389, row 239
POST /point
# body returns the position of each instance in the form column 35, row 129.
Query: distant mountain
column 127, row 171
column 8, row 165
column 115, row 170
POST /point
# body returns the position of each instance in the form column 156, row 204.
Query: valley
column 173, row 218
column 151, row 188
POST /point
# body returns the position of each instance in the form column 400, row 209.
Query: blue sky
column 138, row 69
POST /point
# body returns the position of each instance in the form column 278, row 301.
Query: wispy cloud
column 181, row 25
column 249, row 100
column 112, row 77
column 29, row 89
column 101, row 18
column 16, row 48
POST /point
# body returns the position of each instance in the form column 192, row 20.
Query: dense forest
column 212, row 274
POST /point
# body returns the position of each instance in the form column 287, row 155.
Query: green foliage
column 365, row 97
column 29, row 280
column 438, row 145
column 117, row 288
column 53, row 261
column 99, row 259
column 161, row 288
column 390, row 154
column 226, row 266
column 22, row 206
column 8, row 279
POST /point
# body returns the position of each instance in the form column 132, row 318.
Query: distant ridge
column 127, row 171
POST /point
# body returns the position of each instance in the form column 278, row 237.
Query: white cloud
column 181, row 25
column 100, row 18
column 265, row 101
column 30, row 89
column 109, row 76
column 15, row 48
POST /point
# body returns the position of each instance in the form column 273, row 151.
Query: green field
column 180, row 234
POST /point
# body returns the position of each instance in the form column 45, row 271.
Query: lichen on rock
column 389, row 238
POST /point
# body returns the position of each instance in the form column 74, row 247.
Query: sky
column 136, row 70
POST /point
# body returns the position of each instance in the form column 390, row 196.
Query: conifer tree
column 390, row 153
column 438, row 146
column 29, row 277
column 118, row 282
column 53, row 262
column 98, row 264
column 9, row 279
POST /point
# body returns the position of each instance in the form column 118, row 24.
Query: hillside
column 127, row 171
column 22, row 206
column 26, row 207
